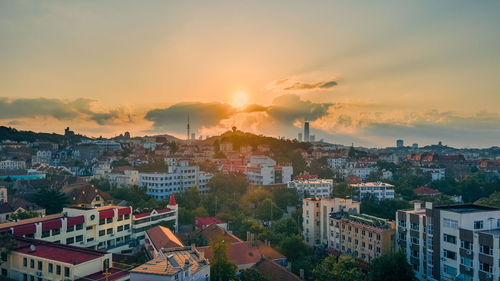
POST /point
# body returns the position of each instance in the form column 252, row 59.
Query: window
column 378, row 237
column 32, row 263
column 120, row 218
column 70, row 240
column 450, row 223
column 102, row 221
column 120, row 228
column 486, row 267
column 102, row 232
column 25, row 262
column 464, row 244
column 58, row 270
column 45, row 233
column 109, row 231
column 449, row 238
column 79, row 238
column 449, row 254
column 450, row 270
column 485, row 250
column 109, row 220
column 88, row 228
column 126, row 227
column 40, row 265
column 478, row 224
column 66, row 271
column 466, row 261
column 79, row 226
column 414, row 240
column 4, row 272
column 56, row 231
column 25, row 277
column 70, row 228
column 51, row 268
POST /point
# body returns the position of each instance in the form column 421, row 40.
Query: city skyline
column 363, row 73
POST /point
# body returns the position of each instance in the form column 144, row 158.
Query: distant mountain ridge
column 8, row 133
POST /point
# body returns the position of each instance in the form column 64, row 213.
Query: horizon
column 364, row 73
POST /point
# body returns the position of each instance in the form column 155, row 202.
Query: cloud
column 60, row 109
column 289, row 108
column 288, row 84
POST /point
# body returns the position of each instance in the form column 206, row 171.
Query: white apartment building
column 41, row 157
column 316, row 214
column 359, row 171
column 178, row 179
column 455, row 242
column 262, row 170
column 436, row 173
column 120, row 177
column 12, row 165
column 312, row 187
column 336, row 163
column 110, row 228
column 380, row 190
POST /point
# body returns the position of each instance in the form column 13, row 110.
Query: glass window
column 66, row 271
column 70, row 228
column 102, row 232
column 449, row 254
column 58, row 269
column 79, row 226
column 449, row 238
column 51, row 268
column 25, row 262
column 40, row 265
column 32, row 263
column 70, row 240
column 478, row 224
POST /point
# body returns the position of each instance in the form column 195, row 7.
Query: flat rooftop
column 466, row 208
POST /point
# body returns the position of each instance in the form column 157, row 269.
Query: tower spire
column 188, row 128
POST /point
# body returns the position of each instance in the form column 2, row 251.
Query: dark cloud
column 55, row 108
column 174, row 118
column 289, row 108
column 308, row 86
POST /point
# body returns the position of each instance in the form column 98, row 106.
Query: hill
column 8, row 133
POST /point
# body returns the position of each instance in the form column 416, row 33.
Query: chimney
column 417, row 206
column 289, row 266
column 301, row 273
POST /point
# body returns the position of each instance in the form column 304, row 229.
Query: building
column 316, row 213
column 33, row 259
column 300, row 137
column 362, row 236
column 399, row 143
column 109, row 228
column 124, row 176
column 336, row 162
column 12, row 165
column 436, row 173
column 180, row 264
column 454, row 242
column 273, row 271
column 261, row 170
column 306, row 131
column 18, row 205
column 379, row 190
column 204, row 222
column 159, row 238
column 41, row 157
column 312, row 187
column 179, row 178
column 426, row 191
column 3, row 195
column 85, row 195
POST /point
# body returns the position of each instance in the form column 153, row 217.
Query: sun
column 240, row 99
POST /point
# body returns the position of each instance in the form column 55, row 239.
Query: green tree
column 7, row 244
column 294, row 247
column 267, row 210
column 120, row 162
column 221, row 268
column 101, row 183
column 342, row 268
column 342, row 190
column 391, row 267
column 251, row 274
column 52, row 200
column 22, row 215
column 200, row 212
column 190, row 199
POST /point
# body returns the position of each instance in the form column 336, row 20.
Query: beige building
column 3, row 195
column 33, row 259
column 316, row 213
column 362, row 236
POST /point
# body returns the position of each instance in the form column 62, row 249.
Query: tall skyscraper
column 188, row 128
column 300, row 136
column 399, row 143
column 306, row 131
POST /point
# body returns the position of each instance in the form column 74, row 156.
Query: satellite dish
column 32, row 248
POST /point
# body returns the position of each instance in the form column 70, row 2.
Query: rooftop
column 163, row 237
column 174, row 263
column 467, row 208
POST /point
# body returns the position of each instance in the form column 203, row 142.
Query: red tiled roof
column 142, row 215
column 202, row 222
column 162, row 237
column 163, row 210
column 213, row 231
column 268, row 252
column 424, row 190
column 242, row 253
column 273, row 271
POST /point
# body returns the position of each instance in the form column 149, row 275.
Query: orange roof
column 424, row 190
column 242, row 253
column 213, row 231
column 163, row 237
column 268, row 252
column 273, row 271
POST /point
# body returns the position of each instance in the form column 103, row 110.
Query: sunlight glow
column 240, row 99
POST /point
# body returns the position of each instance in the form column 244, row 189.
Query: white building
column 180, row 264
column 358, row 170
column 455, row 242
column 110, row 228
column 262, row 170
column 316, row 214
column 179, row 178
column 118, row 177
column 313, row 187
column 436, row 173
column 337, row 163
column 41, row 157
column 380, row 190
column 3, row 195
column 12, row 165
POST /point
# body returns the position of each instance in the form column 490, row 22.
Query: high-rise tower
column 306, row 131
column 188, row 129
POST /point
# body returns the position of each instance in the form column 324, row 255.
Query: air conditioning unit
column 39, row 273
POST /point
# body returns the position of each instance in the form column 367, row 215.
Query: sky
column 362, row 72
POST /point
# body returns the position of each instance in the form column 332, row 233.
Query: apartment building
column 362, row 236
column 109, row 228
column 12, row 165
column 261, row 170
column 178, row 179
column 33, row 259
column 316, row 213
column 455, row 242
column 380, row 190
column 3, row 195
column 312, row 187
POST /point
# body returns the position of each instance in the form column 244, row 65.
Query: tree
column 221, row 268
column 190, row 199
column 7, row 244
column 342, row 268
column 251, row 274
column 22, row 215
column 391, row 267
column 382, row 208
column 52, row 200
column 200, row 212
column 342, row 190
column 267, row 210
column 101, row 184
column 294, row 247
column 120, row 162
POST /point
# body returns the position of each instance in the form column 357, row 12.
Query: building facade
column 315, row 217
column 455, row 242
column 362, row 236
column 312, row 187
column 379, row 190
column 12, row 165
